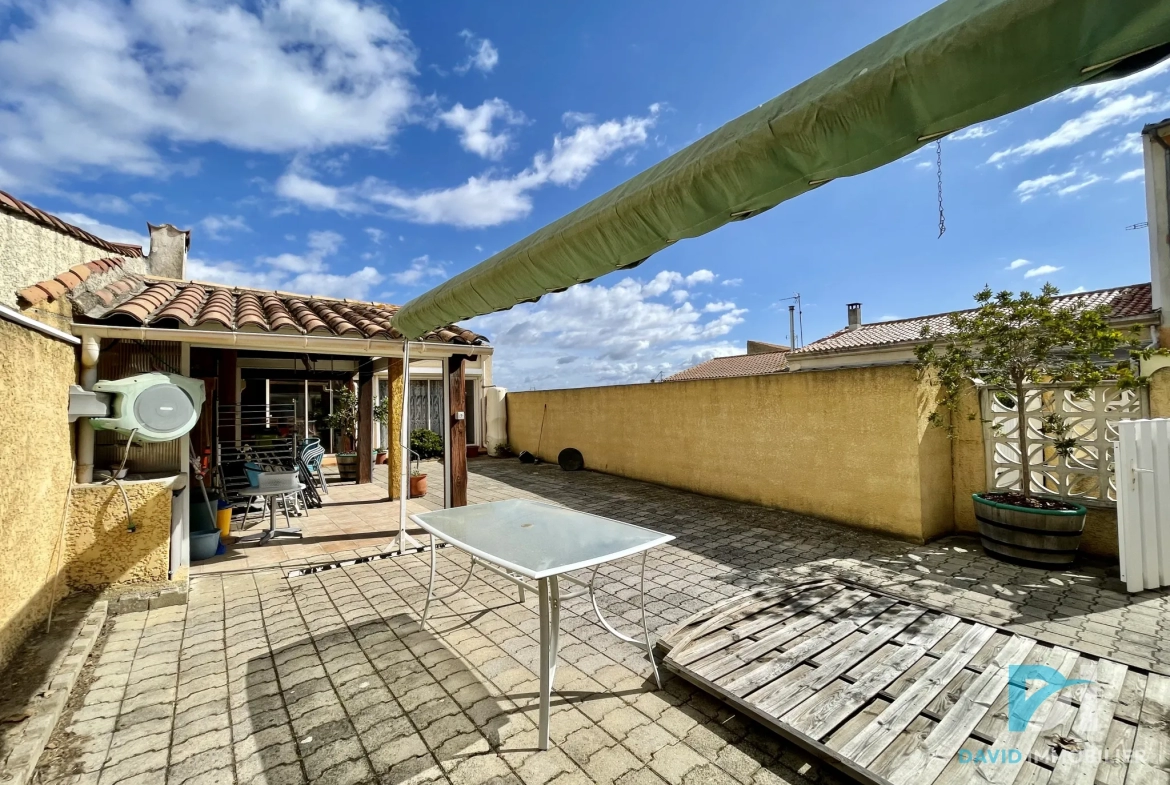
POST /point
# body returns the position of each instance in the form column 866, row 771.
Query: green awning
column 961, row 63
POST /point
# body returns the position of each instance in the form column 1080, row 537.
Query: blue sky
column 370, row 151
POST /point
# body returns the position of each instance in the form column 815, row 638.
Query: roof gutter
column 312, row 344
column 9, row 315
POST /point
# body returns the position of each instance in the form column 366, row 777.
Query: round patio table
column 253, row 491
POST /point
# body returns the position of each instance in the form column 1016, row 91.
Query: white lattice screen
column 1086, row 476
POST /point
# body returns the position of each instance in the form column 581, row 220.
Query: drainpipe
column 90, row 349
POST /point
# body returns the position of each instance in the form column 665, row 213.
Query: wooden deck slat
column 767, row 671
column 1150, row 762
column 717, row 641
column 868, row 744
column 925, row 762
column 818, row 719
column 737, row 656
column 889, row 691
column 733, row 609
column 1002, row 773
column 1091, row 726
column 779, row 700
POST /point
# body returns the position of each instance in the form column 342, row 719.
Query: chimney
column 854, row 316
column 168, row 251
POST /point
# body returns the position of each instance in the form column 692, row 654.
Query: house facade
column 76, row 309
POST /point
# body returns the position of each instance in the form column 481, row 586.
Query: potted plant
column 1010, row 343
column 418, row 483
column 343, row 420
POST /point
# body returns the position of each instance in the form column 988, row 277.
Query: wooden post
column 365, row 434
column 458, row 431
column 394, row 427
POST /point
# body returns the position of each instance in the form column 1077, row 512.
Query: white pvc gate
column 1142, row 471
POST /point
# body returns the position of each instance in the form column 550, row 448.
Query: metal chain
column 942, row 221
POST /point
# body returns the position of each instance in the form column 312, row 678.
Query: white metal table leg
column 430, row 587
column 545, row 663
column 646, row 627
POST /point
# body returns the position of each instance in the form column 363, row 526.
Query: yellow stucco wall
column 100, row 548
column 848, row 445
column 35, row 458
column 1160, row 393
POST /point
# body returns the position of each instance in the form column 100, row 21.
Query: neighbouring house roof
column 736, row 365
column 1126, row 302
column 66, row 282
column 10, row 204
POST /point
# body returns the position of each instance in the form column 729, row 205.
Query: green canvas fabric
column 961, row 63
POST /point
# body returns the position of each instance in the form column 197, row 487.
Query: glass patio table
column 520, row 539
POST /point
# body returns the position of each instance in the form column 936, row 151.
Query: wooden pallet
column 895, row 693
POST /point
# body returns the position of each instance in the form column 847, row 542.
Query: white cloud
column 1017, row 264
column 298, row 187
column 421, row 269
column 107, row 85
column 475, row 126
column 925, row 165
column 1043, row 269
column 718, row 307
column 700, row 276
column 1029, row 188
column 486, row 200
column 1072, row 189
column 102, row 203
column 1100, row 90
column 1108, row 112
column 304, row 273
column 376, row 235
column 596, row 334
column 974, row 132
column 484, row 55
column 1130, row 144
column 144, row 198
column 680, row 295
column 218, row 227
column 732, row 281
column 1077, row 290
column 114, row 234
column 1133, row 174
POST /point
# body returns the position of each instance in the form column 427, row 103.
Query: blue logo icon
column 1022, row 706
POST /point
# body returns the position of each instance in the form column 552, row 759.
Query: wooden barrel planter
column 347, row 466
column 1041, row 538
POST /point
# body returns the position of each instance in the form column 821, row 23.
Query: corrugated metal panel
column 120, row 359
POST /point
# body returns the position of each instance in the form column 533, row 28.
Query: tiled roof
column 736, row 365
column 1125, row 301
column 11, row 204
column 165, row 303
column 66, row 282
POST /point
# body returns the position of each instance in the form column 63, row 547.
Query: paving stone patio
column 327, row 678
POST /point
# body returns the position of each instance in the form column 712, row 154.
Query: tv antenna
column 1141, row 225
column 795, row 312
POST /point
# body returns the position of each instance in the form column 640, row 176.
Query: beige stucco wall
column 100, row 548
column 31, row 252
column 1160, row 393
column 35, row 458
column 849, row 445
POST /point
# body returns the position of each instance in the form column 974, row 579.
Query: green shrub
column 426, row 443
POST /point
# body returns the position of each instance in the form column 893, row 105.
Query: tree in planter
column 1009, row 343
column 344, row 418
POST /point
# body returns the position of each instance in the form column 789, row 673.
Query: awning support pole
column 404, row 540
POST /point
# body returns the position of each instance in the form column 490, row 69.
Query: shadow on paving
column 756, row 544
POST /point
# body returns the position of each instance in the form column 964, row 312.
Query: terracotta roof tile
column 1125, row 302
column 64, row 282
column 10, row 204
column 736, row 365
column 209, row 306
